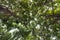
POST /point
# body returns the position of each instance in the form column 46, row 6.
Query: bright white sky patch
column 56, row 4
column 31, row 22
column 38, row 26
column 4, row 26
column 53, row 38
column 50, row 29
column 50, row 8
column 19, row 24
column 7, row 1
column 31, row 0
column 30, row 14
column 35, row 19
column 13, row 30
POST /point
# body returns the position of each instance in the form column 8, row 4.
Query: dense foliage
column 33, row 20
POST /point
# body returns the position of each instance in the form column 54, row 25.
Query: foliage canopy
column 32, row 20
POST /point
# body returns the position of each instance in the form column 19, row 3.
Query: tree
column 29, row 20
